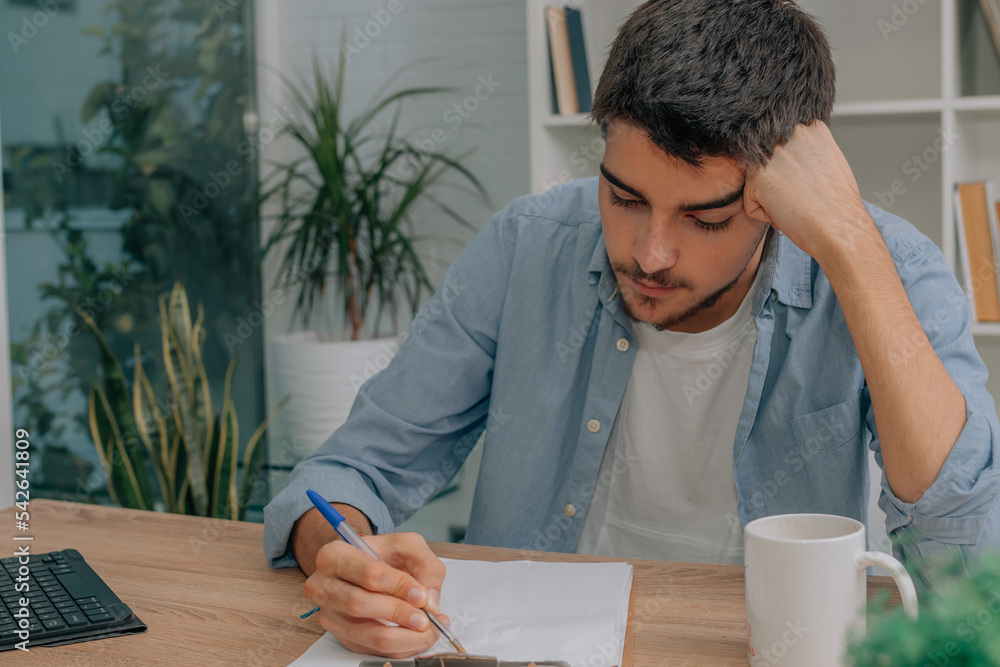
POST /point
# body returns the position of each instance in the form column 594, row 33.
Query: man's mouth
column 652, row 290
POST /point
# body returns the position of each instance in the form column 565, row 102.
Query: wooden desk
column 208, row 596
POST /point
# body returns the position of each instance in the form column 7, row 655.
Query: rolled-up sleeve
column 960, row 511
column 413, row 424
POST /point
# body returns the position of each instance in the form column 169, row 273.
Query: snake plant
column 192, row 450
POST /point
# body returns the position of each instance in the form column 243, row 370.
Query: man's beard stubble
column 664, row 279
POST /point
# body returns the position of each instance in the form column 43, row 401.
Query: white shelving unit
column 902, row 86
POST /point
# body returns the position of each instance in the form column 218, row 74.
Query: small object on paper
column 570, row 614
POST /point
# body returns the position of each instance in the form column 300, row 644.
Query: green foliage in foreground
column 959, row 624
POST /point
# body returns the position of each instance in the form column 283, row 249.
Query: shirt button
column 569, row 510
column 774, row 295
column 622, row 345
column 593, row 426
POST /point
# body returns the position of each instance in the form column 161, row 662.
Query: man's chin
column 652, row 311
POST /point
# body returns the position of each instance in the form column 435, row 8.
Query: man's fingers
column 409, row 552
column 356, row 592
column 367, row 636
column 753, row 208
column 352, row 601
column 377, row 576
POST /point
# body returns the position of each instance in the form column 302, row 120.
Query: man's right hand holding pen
column 352, row 590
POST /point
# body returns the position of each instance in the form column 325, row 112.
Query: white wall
column 469, row 39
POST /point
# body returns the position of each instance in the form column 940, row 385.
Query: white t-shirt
column 665, row 490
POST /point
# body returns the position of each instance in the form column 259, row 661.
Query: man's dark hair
column 717, row 78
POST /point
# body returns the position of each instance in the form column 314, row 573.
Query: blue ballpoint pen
column 351, row 536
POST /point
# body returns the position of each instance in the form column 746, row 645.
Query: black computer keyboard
column 66, row 600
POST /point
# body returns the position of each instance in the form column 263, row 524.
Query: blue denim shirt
column 526, row 340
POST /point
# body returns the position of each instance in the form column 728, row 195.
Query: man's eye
column 624, row 203
column 713, row 226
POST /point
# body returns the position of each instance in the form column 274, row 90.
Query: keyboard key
column 75, row 585
column 100, row 618
column 90, row 605
column 62, row 597
column 47, row 615
column 94, row 612
column 54, row 624
column 75, row 620
column 87, row 599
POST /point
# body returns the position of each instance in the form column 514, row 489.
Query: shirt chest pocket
column 829, row 428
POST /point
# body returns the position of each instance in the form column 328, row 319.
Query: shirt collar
column 792, row 273
column 787, row 271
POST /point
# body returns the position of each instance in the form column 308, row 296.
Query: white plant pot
column 322, row 377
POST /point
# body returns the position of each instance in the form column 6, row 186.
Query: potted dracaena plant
column 347, row 241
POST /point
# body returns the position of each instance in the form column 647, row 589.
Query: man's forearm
column 919, row 410
column 312, row 531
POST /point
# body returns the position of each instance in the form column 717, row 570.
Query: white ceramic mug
column 806, row 588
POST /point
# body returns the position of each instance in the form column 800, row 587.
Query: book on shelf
column 992, row 10
column 979, row 243
column 568, row 72
column 578, row 52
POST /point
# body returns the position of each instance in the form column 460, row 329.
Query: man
column 712, row 331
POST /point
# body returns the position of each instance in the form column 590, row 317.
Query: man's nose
column 655, row 247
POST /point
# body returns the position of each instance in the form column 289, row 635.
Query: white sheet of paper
column 523, row 610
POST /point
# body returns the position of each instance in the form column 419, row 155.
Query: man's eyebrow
column 615, row 181
column 721, row 202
